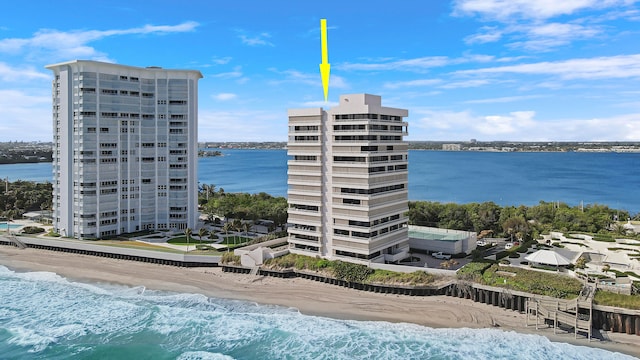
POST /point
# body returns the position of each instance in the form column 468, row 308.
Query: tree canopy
column 19, row 197
column 522, row 221
column 244, row 206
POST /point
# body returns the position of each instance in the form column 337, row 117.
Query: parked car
column 508, row 246
column 440, row 255
column 481, row 243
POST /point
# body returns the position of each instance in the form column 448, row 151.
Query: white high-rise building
column 347, row 177
column 125, row 148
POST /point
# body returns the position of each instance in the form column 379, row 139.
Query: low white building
column 423, row 238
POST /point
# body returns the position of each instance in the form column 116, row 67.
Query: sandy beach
column 307, row 296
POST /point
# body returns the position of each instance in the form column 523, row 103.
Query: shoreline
column 308, row 297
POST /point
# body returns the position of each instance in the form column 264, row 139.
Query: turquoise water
column 45, row 316
column 3, row 226
column 504, row 178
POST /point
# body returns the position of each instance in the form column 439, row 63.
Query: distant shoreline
column 219, row 152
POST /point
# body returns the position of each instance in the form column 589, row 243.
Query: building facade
column 125, row 148
column 347, row 178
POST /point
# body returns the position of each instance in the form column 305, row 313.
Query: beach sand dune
column 307, row 296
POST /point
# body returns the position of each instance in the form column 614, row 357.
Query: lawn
column 182, row 240
column 620, row 300
column 135, row 245
column 235, row 240
column 534, row 282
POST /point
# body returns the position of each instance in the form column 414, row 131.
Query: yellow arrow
column 325, row 67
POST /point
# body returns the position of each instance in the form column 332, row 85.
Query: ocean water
column 45, row 316
column 518, row 178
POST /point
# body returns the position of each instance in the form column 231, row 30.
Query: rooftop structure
column 446, row 240
column 125, row 148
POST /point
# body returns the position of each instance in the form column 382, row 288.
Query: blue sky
column 526, row 70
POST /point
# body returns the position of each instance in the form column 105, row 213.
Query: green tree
column 202, row 233
column 226, row 227
column 516, row 225
column 187, row 233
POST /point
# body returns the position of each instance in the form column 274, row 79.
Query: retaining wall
column 148, row 256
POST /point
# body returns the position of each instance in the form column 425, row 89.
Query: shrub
column 230, row 258
column 473, row 271
column 351, row 272
column 603, row 237
column 620, row 300
column 392, row 277
column 535, row 282
column 283, row 262
column 619, row 273
column 53, row 234
column 32, row 230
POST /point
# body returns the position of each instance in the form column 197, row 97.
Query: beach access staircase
column 254, row 271
column 576, row 314
column 16, row 241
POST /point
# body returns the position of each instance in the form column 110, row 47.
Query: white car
column 442, row 256
column 508, row 246
column 481, row 243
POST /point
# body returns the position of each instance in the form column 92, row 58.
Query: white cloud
column 25, row 116
column 527, row 23
column 224, row 96
column 465, row 84
column 488, row 34
column 507, row 10
column 257, row 40
column 236, row 74
column 505, row 99
column 295, row 76
column 621, row 66
column 73, row 44
column 421, row 64
column 520, row 126
column 407, row 64
column 437, row 83
column 542, row 37
column 412, row 83
column 322, row 104
column 9, row 73
column 242, row 125
column 221, row 60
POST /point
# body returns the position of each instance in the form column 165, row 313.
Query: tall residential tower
column 347, row 181
column 125, row 148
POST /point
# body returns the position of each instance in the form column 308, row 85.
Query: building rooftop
column 431, row 233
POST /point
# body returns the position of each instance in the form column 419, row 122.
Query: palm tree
column 237, row 225
column 246, row 227
column 187, row 233
column 202, row 233
column 226, row 227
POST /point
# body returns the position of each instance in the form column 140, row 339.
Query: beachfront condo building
column 347, row 178
column 125, row 148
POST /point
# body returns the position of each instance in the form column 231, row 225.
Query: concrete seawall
column 114, row 252
column 603, row 317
